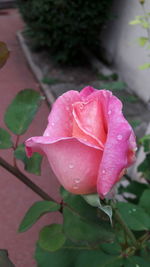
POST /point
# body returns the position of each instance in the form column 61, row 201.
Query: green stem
column 125, row 227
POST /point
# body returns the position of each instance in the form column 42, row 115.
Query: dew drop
column 71, row 166
column 75, row 186
column 109, row 112
column 81, row 106
column 103, row 171
column 119, row 137
column 53, row 123
column 77, row 180
column 130, row 211
column 134, row 210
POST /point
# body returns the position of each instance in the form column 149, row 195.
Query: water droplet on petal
column 75, row 186
column 53, row 123
column 71, row 166
column 77, row 180
column 109, row 112
column 103, row 171
column 119, row 137
column 81, row 106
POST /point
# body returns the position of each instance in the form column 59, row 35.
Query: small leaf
column 4, row 54
column 144, row 167
column 145, row 201
column 35, row 212
column 119, row 85
column 50, row 80
column 5, row 139
column 135, row 217
column 4, row 259
column 51, row 237
column 22, row 110
column 33, row 164
column 144, row 66
column 135, row 22
column 145, row 141
column 142, row 41
column 94, row 200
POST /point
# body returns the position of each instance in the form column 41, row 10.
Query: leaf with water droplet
column 94, row 201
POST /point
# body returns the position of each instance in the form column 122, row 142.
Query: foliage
column 144, row 22
column 65, row 27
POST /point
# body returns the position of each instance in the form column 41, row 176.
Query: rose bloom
column 88, row 142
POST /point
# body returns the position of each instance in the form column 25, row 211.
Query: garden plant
column 89, row 145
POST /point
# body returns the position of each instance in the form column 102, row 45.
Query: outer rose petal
column 115, row 155
column 75, row 165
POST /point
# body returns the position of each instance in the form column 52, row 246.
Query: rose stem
column 23, row 178
column 14, row 148
column 125, row 227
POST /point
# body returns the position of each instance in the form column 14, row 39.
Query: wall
column 119, row 40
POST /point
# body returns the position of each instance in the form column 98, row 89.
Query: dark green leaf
column 79, row 229
column 113, row 86
column 4, row 259
column 97, row 259
column 135, row 261
column 134, row 216
column 145, row 201
column 50, row 80
column 111, row 248
column 5, row 139
column 144, row 167
column 94, row 200
column 35, row 212
column 33, row 164
column 145, row 141
column 51, row 237
column 22, row 110
column 4, row 54
column 58, row 258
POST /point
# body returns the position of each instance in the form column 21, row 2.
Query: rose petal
column 115, row 155
column 86, row 91
column 86, row 115
column 75, row 165
column 60, row 118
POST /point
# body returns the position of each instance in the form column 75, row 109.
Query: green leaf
column 4, row 259
column 79, row 229
column 134, row 216
column 142, row 41
column 35, row 212
column 144, row 167
column 4, row 54
column 33, row 164
column 145, row 141
column 113, row 86
column 135, row 22
column 145, row 201
column 58, row 258
column 22, row 110
column 5, row 139
column 94, row 200
column 51, row 237
column 144, row 66
column 135, row 261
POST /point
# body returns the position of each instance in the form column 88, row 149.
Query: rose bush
column 88, row 142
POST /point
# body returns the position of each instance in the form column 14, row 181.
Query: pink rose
column 88, row 142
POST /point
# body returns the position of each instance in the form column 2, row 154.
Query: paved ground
column 15, row 198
